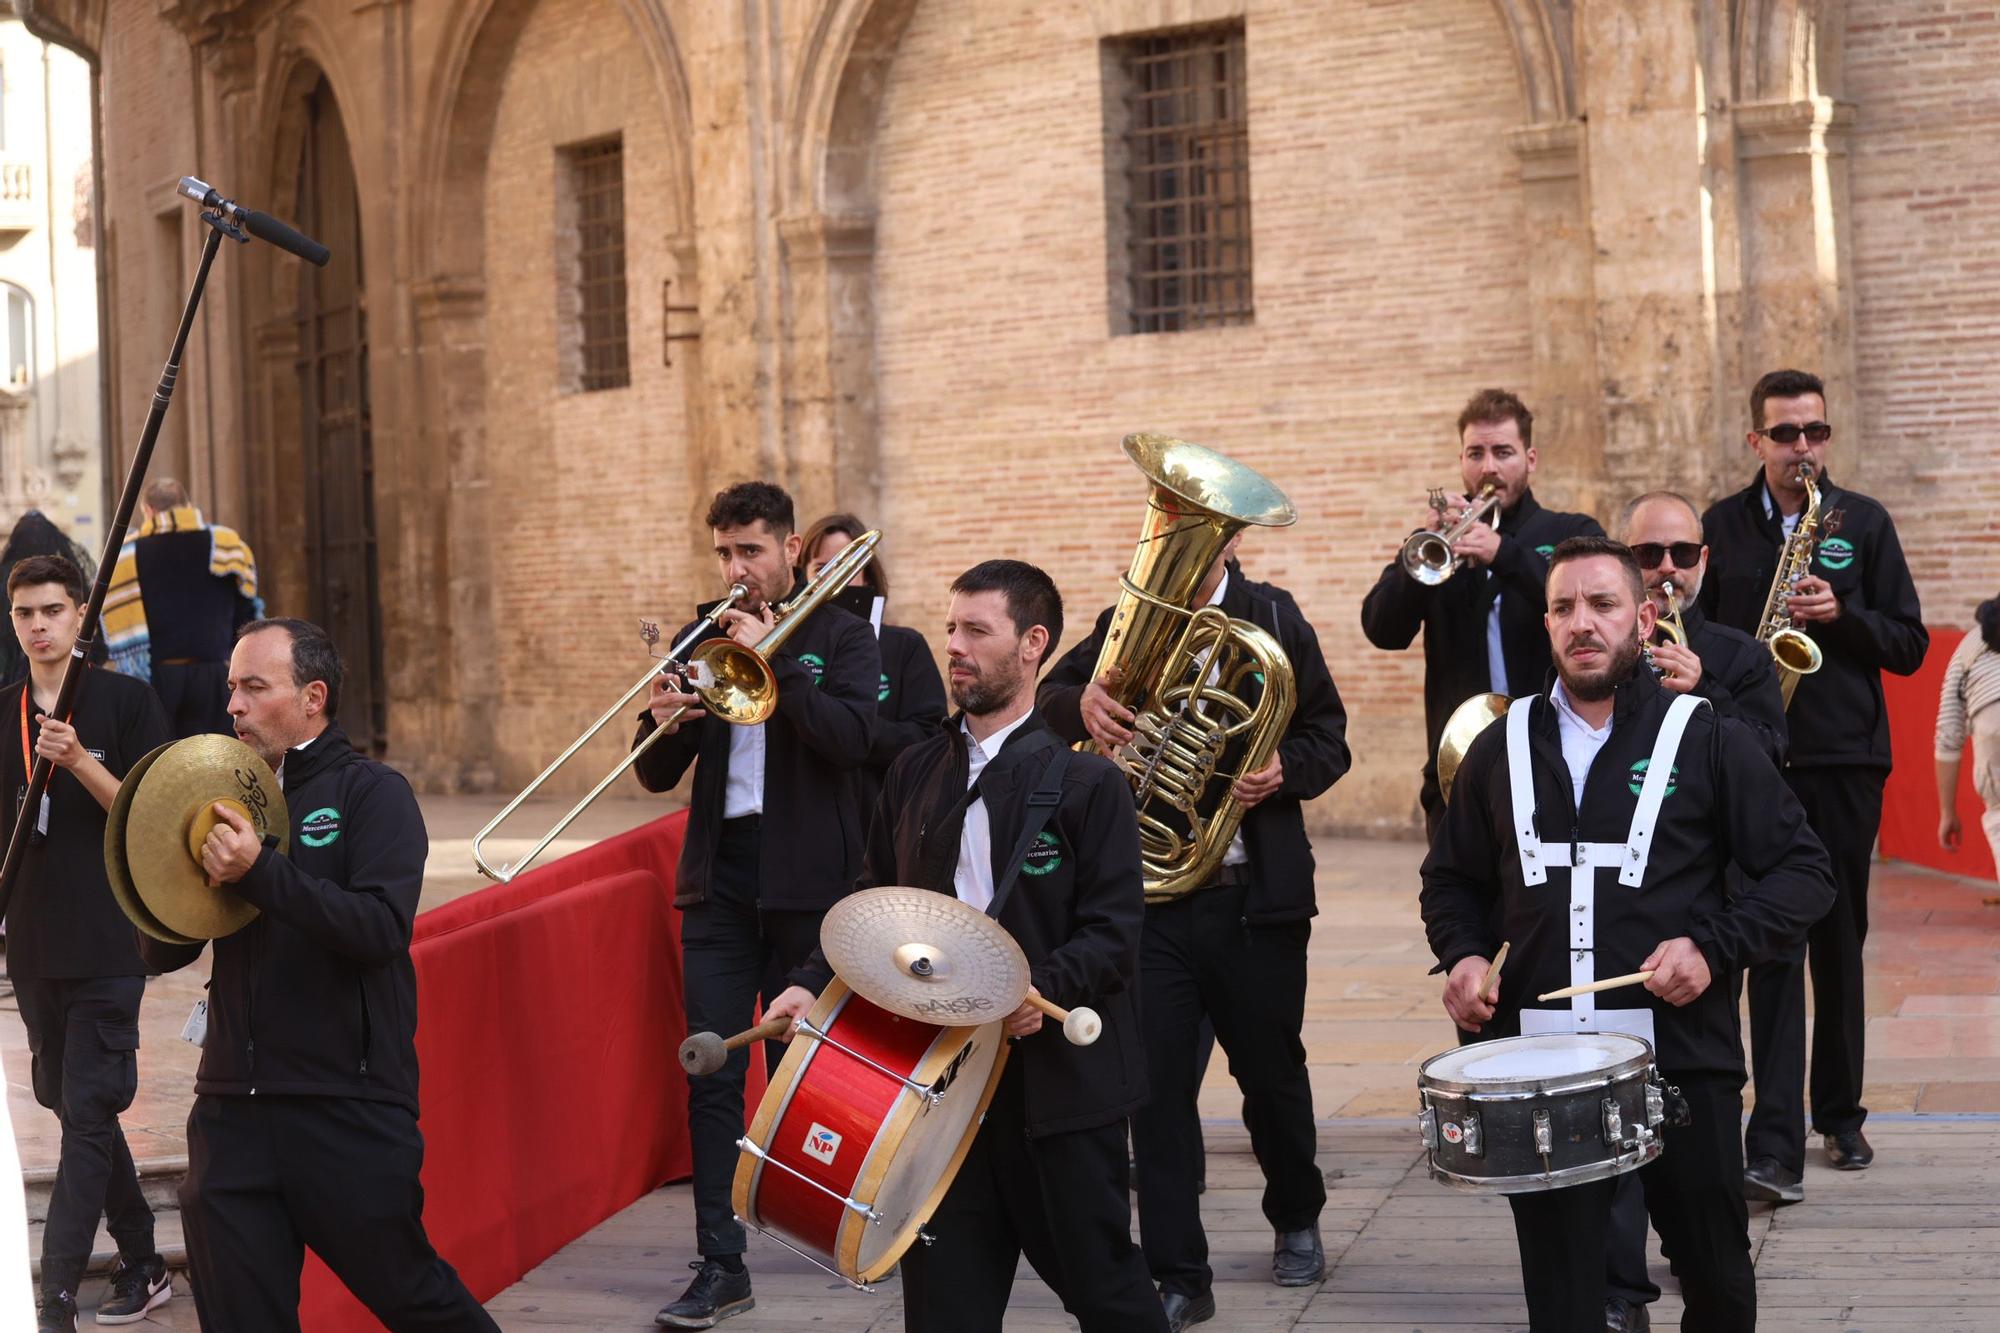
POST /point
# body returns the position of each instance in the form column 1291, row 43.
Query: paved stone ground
column 1907, row 1242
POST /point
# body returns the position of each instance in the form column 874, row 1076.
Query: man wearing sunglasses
column 1734, row 673
column 1859, row 605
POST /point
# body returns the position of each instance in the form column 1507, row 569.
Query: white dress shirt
column 1790, row 521
column 743, row 790
column 1580, row 742
column 973, row 881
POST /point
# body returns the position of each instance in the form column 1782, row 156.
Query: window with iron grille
column 597, row 353
column 1178, row 179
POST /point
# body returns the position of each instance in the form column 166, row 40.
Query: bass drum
column 861, row 1131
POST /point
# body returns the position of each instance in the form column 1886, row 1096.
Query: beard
column 1596, row 686
column 985, row 693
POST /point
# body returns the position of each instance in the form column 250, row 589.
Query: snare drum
column 861, row 1131
column 1520, row 1114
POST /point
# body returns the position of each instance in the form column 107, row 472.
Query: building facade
column 929, row 259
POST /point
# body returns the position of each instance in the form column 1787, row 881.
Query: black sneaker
column 135, row 1289
column 1766, row 1181
column 57, row 1314
column 1849, row 1151
column 713, row 1296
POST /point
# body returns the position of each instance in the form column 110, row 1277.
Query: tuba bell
column 1187, row 673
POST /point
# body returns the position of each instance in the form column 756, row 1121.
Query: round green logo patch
column 814, row 663
column 882, row 693
column 320, row 827
column 1836, row 553
column 1044, row 856
column 1637, row 778
column 1545, row 550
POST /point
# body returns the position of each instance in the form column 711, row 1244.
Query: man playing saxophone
column 1855, row 601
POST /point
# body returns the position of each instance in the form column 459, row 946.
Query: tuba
column 1792, row 649
column 1187, row 672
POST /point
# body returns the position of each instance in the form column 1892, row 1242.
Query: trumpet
column 1427, row 556
column 1669, row 626
column 735, row 683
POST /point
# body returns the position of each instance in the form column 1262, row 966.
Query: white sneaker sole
column 153, row 1302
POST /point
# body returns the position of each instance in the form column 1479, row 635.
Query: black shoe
column 1623, row 1316
column 713, row 1296
column 135, row 1289
column 1298, row 1259
column 1767, row 1181
column 1183, row 1310
column 1849, row 1151
column 57, row 1314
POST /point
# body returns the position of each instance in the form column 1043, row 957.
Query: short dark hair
column 747, row 501
column 166, row 493
column 313, row 655
column 36, row 569
column 1989, row 622
column 852, row 527
column 1031, row 595
column 1492, row 406
column 1782, row 384
column 1582, row 548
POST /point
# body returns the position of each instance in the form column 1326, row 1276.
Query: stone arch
column 1789, row 50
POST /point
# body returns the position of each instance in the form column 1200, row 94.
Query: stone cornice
column 1811, row 125
column 1552, row 150
column 827, row 236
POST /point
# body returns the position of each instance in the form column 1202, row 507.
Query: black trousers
column 195, row 696
column 1694, row 1192
column 268, row 1176
column 1062, row 1200
column 730, row 950
column 1844, row 807
column 1200, row 956
column 1625, row 1274
column 84, row 1036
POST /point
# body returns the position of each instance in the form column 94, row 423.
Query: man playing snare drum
column 1594, row 825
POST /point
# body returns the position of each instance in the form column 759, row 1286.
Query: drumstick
column 704, row 1052
column 1493, row 972
column 1629, row 979
column 1080, row 1026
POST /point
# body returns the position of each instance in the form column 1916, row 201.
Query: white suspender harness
column 1584, row 860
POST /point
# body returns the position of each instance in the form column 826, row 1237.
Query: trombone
column 1427, row 556
column 735, row 683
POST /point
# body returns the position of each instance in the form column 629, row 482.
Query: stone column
column 830, row 422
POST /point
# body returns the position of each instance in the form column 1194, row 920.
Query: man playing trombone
column 1480, row 608
column 774, row 838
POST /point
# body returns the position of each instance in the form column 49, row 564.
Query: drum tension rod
column 745, row 1145
column 815, row 1262
column 930, row 1094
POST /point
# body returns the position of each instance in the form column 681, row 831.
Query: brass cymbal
column 115, row 868
column 925, row 956
column 171, row 812
column 1460, row 730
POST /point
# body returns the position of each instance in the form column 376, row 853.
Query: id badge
column 42, row 821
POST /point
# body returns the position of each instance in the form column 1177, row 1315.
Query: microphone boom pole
column 222, row 217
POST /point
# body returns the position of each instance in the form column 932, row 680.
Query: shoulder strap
column 1521, row 785
column 1659, row 770
column 1042, row 803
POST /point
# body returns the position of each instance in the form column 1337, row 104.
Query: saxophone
column 1191, row 675
column 1792, row 649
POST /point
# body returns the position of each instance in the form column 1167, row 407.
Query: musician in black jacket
column 910, row 703
column 1859, row 604
column 773, row 839
column 1046, row 1173
column 1234, row 950
column 304, row 1127
column 1482, row 626
column 1635, row 801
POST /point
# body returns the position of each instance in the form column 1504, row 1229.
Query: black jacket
column 1453, row 614
column 829, row 674
column 1727, row 804
column 62, row 920
column 316, row 996
column 910, row 706
column 1738, row 679
column 1313, row 749
column 1837, row 712
column 1075, row 910
column 191, row 612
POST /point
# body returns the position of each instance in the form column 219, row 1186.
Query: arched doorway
column 335, row 424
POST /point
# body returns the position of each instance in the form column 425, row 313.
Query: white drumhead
column 1564, row 1055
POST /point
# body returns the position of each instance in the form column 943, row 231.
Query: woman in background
column 1968, row 702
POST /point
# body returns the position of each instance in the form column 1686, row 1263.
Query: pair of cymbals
column 163, row 812
column 925, row 956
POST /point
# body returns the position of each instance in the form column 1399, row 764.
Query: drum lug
column 1475, row 1144
column 1427, row 1125
column 1545, row 1141
column 1656, row 1106
column 1614, row 1124
column 926, row 1237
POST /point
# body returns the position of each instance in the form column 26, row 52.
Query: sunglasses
column 1650, row 554
column 1816, row 432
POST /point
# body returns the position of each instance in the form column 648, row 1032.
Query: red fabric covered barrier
column 548, row 1014
column 1909, row 804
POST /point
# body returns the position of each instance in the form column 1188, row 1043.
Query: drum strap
column 1042, row 803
